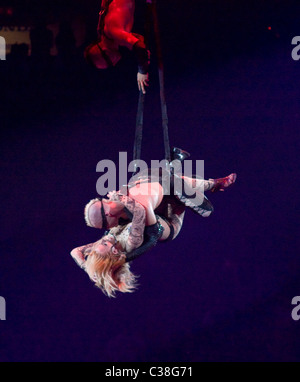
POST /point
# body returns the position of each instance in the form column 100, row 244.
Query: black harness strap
column 139, row 129
column 137, row 149
column 104, row 220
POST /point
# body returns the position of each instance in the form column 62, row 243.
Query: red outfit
column 115, row 26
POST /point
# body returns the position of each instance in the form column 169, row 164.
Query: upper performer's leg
column 119, row 22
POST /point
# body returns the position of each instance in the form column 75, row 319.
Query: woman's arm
column 160, row 230
column 137, row 213
column 79, row 254
column 152, row 234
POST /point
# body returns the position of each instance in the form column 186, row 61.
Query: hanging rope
column 152, row 11
column 139, row 128
column 164, row 113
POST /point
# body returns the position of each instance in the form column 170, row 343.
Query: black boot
column 178, row 154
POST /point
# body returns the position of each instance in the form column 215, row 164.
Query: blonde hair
column 110, row 272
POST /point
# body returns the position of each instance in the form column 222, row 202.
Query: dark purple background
column 222, row 291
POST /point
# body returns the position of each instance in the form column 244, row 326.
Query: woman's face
column 106, row 245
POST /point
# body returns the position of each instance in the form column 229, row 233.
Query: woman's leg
column 211, row 184
column 196, row 187
column 193, row 197
column 199, row 184
column 118, row 25
column 176, row 219
column 172, row 219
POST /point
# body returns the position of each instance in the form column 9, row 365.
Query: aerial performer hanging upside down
column 114, row 30
column 147, row 211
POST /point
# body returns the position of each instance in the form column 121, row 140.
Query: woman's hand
column 78, row 257
column 142, row 80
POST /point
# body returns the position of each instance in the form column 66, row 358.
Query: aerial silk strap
column 152, row 13
column 164, row 113
column 139, row 128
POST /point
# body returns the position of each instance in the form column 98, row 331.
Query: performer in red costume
column 114, row 30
